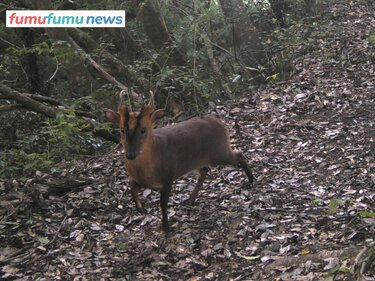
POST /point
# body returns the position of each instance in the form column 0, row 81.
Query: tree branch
column 40, row 98
column 84, row 40
column 36, row 106
column 52, row 101
column 28, row 102
column 9, row 107
column 100, row 69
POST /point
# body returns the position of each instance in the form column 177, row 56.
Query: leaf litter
column 310, row 216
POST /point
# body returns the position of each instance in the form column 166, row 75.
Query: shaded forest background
column 192, row 55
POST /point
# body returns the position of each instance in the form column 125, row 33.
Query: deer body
column 157, row 157
column 178, row 149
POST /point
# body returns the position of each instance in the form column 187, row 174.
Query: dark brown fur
column 163, row 155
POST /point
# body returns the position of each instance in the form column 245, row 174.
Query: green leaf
column 317, row 202
column 333, row 205
column 43, row 240
column 366, row 214
column 371, row 38
column 344, row 269
column 272, row 77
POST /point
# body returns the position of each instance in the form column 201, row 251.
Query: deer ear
column 112, row 116
column 157, row 114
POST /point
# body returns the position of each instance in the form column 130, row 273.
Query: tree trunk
column 31, row 62
column 81, row 81
column 279, row 8
column 130, row 50
column 121, row 38
column 313, row 7
column 245, row 36
column 156, row 29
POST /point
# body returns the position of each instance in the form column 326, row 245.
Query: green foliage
column 8, row 67
column 316, row 202
column 63, row 50
column 70, row 132
column 337, row 271
column 62, row 139
column 92, row 103
column 366, row 214
column 371, row 38
column 334, row 203
column 284, row 45
column 189, row 87
column 19, row 52
column 15, row 162
column 195, row 84
column 189, row 31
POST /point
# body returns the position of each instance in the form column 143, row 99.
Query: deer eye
column 143, row 131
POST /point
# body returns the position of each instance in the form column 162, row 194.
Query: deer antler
column 121, row 99
column 152, row 99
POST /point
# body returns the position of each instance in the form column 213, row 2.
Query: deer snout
column 130, row 155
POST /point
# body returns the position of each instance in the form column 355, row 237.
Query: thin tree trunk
column 79, row 77
column 245, row 36
column 31, row 62
column 74, row 61
column 81, row 81
column 130, row 49
column 279, row 9
column 156, row 29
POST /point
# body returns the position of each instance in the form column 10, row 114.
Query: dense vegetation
column 54, row 84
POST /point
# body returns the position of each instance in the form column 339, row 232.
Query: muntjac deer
column 156, row 157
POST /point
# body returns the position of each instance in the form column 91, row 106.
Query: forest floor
column 310, row 142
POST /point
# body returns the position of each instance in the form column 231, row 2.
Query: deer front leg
column 134, row 188
column 164, row 197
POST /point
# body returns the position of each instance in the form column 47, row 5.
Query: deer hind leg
column 202, row 176
column 238, row 159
